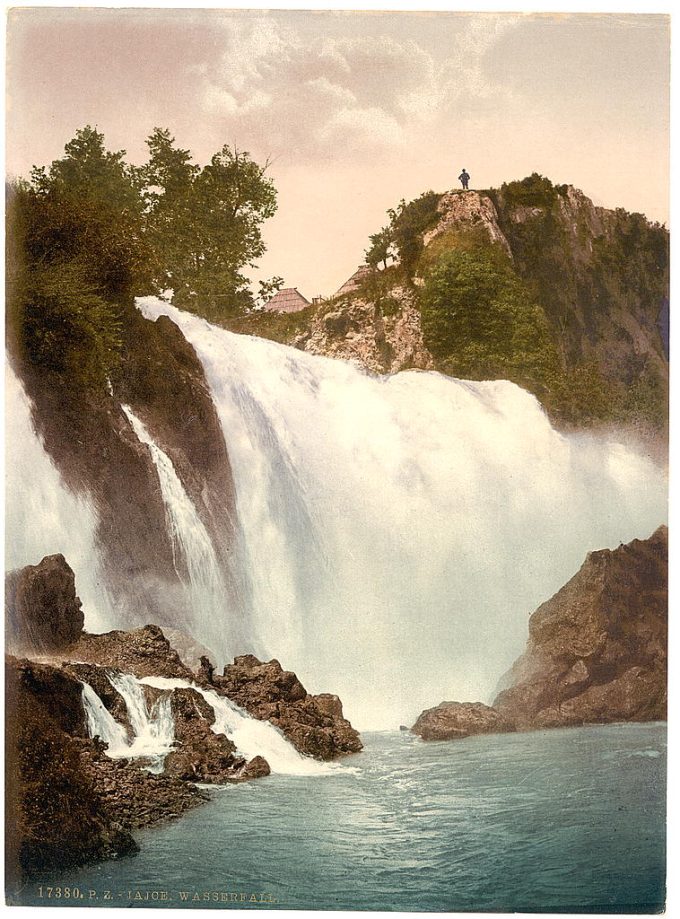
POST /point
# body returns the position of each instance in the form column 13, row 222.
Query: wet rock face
column 136, row 797
column 200, row 755
column 90, row 440
column 96, row 677
column 597, row 650
column 315, row 725
column 453, row 720
column 42, row 610
column 141, row 652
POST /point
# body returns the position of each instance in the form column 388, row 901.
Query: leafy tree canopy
column 403, row 234
column 91, row 231
column 204, row 225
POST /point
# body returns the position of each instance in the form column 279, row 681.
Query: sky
column 354, row 110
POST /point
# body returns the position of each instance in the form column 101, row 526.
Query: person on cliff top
column 464, row 178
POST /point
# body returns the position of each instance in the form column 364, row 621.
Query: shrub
column 479, row 322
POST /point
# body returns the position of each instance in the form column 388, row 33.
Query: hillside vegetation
column 529, row 282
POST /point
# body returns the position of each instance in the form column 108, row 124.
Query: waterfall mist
column 42, row 517
column 397, row 532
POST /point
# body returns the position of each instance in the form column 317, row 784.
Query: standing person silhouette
column 464, row 178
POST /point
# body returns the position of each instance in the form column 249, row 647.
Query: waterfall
column 194, row 555
column 251, row 736
column 153, row 728
column 42, row 517
column 102, row 724
column 399, row 531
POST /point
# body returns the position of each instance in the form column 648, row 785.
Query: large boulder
column 597, row 650
column 453, row 720
column 54, row 815
column 315, row 725
column 43, row 612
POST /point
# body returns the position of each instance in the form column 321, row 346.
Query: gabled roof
column 352, row 283
column 287, row 300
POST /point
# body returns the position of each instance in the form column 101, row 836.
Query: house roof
column 352, row 283
column 287, row 300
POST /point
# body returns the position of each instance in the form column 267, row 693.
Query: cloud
column 287, row 93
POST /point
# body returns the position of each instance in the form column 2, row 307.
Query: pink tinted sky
column 354, row 110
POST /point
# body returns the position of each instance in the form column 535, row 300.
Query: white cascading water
column 102, row 724
column 42, row 517
column 399, row 531
column 250, row 736
column 153, row 727
column 192, row 547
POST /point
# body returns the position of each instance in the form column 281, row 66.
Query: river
column 564, row 820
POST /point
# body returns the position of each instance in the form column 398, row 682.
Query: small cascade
column 251, row 736
column 153, row 727
column 194, row 555
column 102, row 724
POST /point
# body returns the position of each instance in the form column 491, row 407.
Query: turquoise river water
column 563, row 820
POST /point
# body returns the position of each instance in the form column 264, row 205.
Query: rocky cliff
column 90, row 440
column 599, row 279
column 597, row 652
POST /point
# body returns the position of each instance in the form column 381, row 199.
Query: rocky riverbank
column 597, row 652
column 74, row 799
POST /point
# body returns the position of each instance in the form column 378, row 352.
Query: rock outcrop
column 452, row 720
column 202, row 755
column 141, row 652
column 43, row 613
column 54, row 815
column 471, row 210
column 381, row 339
column 315, row 725
column 597, row 652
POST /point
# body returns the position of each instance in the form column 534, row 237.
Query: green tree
column 205, row 224
column 408, row 222
column 88, row 207
column 381, row 248
column 170, row 216
column 79, row 255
